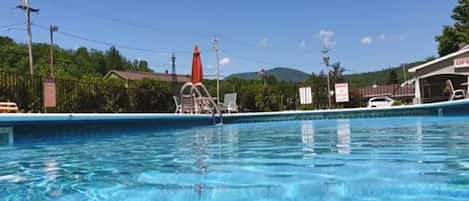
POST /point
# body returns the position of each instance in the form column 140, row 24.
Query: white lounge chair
column 455, row 94
column 229, row 103
column 177, row 102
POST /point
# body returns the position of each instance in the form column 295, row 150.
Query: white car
column 382, row 101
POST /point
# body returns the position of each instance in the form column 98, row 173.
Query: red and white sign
column 49, row 93
column 461, row 62
column 341, row 92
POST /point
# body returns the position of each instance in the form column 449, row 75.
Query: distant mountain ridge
column 281, row 73
column 378, row 76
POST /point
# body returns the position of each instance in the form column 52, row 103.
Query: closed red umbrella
column 197, row 74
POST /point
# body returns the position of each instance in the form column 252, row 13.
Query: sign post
column 341, row 92
column 49, row 93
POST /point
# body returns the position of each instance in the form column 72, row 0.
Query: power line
column 72, row 35
column 191, row 34
column 136, row 25
column 11, row 25
column 267, row 62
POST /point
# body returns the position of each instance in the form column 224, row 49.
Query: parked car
column 382, row 101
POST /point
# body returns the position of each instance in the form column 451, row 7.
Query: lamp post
column 217, row 50
column 326, row 59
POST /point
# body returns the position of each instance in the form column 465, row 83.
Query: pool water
column 408, row 158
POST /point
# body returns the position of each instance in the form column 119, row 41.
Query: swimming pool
column 395, row 158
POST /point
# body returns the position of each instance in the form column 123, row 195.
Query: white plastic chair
column 177, row 102
column 229, row 103
column 455, row 94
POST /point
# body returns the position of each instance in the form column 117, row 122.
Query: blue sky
column 364, row 35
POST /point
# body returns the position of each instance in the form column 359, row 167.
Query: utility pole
column 28, row 11
column 404, row 72
column 326, row 62
column 217, row 50
column 173, row 72
column 52, row 30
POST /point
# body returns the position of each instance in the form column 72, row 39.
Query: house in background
column 131, row 76
column 431, row 77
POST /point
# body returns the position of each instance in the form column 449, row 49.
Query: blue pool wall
column 23, row 120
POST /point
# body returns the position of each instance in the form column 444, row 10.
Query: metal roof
column 459, row 52
column 140, row 75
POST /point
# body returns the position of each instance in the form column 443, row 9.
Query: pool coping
column 12, row 119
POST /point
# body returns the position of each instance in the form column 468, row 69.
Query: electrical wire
column 11, row 25
column 136, row 25
column 165, row 30
column 226, row 38
column 257, row 61
column 76, row 36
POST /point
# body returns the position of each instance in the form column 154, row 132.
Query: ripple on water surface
column 411, row 158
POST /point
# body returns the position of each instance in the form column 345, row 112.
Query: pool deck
column 459, row 107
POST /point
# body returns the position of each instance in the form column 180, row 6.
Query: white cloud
column 328, row 38
column 367, row 40
column 209, row 66
column 225, row 61
column 302, row 44
column 264, row 43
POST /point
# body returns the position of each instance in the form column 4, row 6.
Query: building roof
column 391, row 90
column 454, row 54
column 140, row 75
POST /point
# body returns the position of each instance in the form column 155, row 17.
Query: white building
column 431, row 77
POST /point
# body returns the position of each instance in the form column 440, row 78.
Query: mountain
column 383, row 76
column 365, row 78
column 281, row 73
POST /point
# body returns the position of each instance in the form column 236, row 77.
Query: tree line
column 81, row 63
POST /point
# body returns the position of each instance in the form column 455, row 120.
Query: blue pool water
column 409, row 158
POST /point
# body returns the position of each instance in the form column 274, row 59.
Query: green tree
column 393, row 78
column 153, row 96
column 336, row 74
column 114, row 60
column 453, row 37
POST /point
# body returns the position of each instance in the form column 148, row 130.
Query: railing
column 207, row 96
column 203, row 100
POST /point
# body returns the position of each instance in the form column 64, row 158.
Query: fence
column 109, row 96
column 105, row 96
column 359, row 94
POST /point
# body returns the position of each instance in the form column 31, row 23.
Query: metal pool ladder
column 198, row 92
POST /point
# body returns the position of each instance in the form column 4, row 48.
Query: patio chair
column 177, row 102
column 229, row 103
column 455, row 94
column 187, row 104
